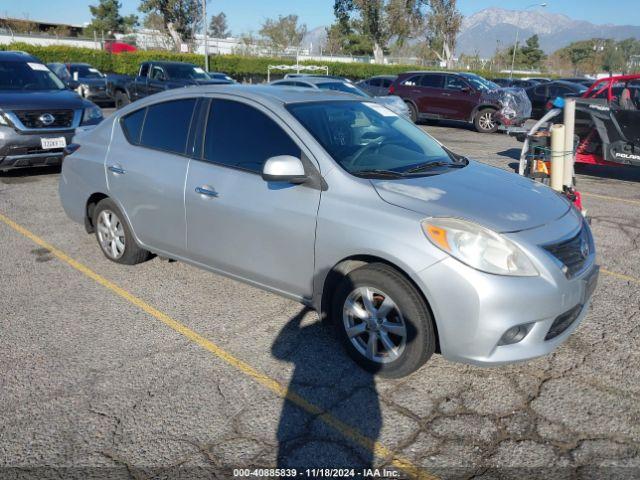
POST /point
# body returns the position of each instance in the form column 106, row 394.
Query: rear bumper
column 19, row 150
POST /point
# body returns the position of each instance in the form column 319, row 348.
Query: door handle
column 206, row 191
column 116, row 169
column 444, row 94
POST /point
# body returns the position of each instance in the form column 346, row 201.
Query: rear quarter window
column 132, row 125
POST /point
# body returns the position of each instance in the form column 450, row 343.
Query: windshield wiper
column 430, row 165
column 379, row 172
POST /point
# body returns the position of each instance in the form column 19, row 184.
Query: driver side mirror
column 284, row 168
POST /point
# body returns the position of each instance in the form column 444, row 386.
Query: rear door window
column 166, row 126
column 432, row 81
column 226, row 143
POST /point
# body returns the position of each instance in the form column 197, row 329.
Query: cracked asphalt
column 93, row 386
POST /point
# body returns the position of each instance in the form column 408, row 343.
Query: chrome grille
column 572, row 253
column 31, row 118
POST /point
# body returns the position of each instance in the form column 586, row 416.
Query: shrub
column 238, row 66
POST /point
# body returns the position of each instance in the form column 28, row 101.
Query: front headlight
column 3, row 121
column 478, row 247
column 91, row 115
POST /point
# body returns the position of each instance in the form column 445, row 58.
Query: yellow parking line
column 353, row 434
column 615, row 199
column 621, row 276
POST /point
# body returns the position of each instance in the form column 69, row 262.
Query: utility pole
column 515, row 46
column 206, row 37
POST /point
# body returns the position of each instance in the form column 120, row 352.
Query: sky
column 247, row 15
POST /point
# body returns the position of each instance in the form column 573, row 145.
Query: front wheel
column 485, row 121
column 383, row 321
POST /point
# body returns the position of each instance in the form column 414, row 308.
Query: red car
column 462, row 96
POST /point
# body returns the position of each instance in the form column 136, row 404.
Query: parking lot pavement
column 165, row 370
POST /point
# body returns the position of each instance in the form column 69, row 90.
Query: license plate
column 50, row 143
column 590, row 284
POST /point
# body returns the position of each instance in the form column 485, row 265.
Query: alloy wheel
column 111, row 234
column 486, row 121
column 374, row 324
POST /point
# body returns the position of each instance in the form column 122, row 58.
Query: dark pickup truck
column 154, row 77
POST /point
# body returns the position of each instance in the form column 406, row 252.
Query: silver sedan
column 339, row 203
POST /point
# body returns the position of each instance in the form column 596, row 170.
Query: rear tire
column 413, row 112
column 376, row 301
column 121, row 99
column 114, row 235
column 484, row 121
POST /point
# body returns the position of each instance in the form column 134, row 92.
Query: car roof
column 165, row 62
column 265, row 93
column 316, row 80
column 567, row 83
column 16, row 56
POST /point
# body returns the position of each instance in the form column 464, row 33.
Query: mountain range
column 492, row 28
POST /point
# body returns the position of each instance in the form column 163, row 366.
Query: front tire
column 485, row 122
column 121, row 99
column 114, row 235
column 383, row 321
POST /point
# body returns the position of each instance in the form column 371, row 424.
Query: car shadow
column 623, row 172
column 28, row 174
column 513, row 153
column 326, row 377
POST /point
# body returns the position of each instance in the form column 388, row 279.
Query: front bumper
column 473, row 310
column 18, row 150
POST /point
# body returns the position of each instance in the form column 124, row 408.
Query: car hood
column 93, row 82
column 40, row 100
column 494, row 198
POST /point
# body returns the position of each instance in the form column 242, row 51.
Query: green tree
column 531, row 54
column 381, row 19
column 347, row 39
column 442, row 28
column 107, row 19
column 180, row 17
column 283, row 32
column 218, row 26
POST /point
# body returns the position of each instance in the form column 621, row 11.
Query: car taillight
column 392, row 90
column 69, row 149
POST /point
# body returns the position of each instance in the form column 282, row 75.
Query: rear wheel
column 485, row 121
column 121, row 99
column 413, row 112
column 114, row 235
column 383, row 321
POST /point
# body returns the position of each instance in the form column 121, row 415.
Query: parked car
column 377, row 86
column 331, row 83
column 405, row 246
column 88, row 81
column 587, row 82
column 538, row 80
column 542, row 95
column 154, row 77
column 459, row 96
column 38, row 114
column 513, row 82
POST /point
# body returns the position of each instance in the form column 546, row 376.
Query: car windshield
column 369, row 140
column 186, row 72
column 85, row 71
column 28, row 76
column 343, row 87
column 480, row 83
